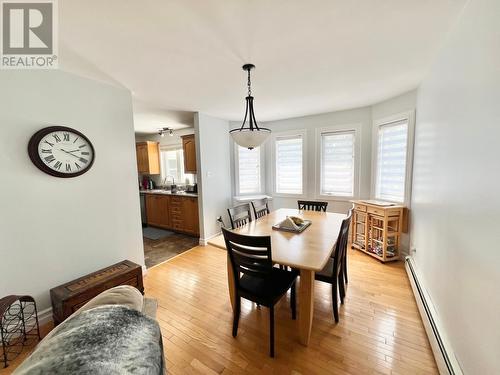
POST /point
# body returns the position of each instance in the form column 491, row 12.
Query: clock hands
column 70, row 152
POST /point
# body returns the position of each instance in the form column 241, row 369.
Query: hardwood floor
column 380, row 331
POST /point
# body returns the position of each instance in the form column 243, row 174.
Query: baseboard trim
column 443, row 353
column 204, row 241
column 45, row 316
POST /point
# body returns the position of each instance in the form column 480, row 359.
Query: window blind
column 249, row 170
column 289, row 164
column 391, row 161
column 337, row 163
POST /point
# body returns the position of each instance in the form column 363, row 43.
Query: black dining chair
column 332, row 272
column 344, row 260
column 239, row 215
column 312, row 205
column 260, row 208
column 255, row 278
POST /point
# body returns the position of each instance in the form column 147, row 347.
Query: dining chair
column 239, row 215
column 255, row 278
column 344, row 261
column 332, row 272
column 312, row 205
column 260, row 208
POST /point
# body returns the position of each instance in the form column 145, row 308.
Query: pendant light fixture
column 251, row 136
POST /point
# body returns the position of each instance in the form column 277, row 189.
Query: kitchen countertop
column 168, row 192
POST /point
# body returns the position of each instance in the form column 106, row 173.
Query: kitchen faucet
column 173, row 187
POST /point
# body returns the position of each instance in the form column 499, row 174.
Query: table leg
column 306, row 305
column 230, row 282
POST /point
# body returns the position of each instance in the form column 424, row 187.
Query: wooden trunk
column 69, row 297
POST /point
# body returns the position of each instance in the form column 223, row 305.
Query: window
column 391, row 161
column 172, row 165
column 337, row 163
column 289, row 167
column 249, row 170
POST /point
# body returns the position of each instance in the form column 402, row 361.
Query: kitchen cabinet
column 148, row 157
column 158, row 210
column 174, row 212
column 189, row 149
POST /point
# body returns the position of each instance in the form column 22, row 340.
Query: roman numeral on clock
column 68, row 167
column 50, row 158
column 85, row 153
column 46, row 151
column 56, row 137
column 78, row 166
column 66, row 136
column 84, row 160
column 50, row 144
column 57, row 165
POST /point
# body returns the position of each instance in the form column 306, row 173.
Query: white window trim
column 357, row 160
column 237, row 172
column 290, row 133
column 410, row 117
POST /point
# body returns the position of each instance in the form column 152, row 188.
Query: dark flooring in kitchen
column 158, row 251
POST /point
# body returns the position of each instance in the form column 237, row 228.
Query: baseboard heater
column 445, row 360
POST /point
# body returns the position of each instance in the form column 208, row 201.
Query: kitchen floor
column 158, row 251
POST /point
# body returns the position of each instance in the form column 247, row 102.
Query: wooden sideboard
column 376, row 229
column 69, row 297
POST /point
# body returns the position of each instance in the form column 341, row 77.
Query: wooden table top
column 308, row 250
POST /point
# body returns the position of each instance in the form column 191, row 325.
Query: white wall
column 214, row 177
column 53, row 230
column 456, row 187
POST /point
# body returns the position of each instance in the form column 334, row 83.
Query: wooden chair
column 260, row 208
column 312, row 205
column 344, row 261
column 332, row 272
column 239, row 215
column 255, row 278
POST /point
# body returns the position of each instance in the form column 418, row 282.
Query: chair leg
column 335, row 301
column 236, row 316
column 344, row 268
column 271, row 334
column 341, row 287
column 293, row 301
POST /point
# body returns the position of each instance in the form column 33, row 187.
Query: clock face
column 61, row 151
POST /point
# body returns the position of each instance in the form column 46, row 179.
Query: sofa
column 114, row 333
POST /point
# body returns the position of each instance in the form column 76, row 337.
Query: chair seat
column 327, row 272
column 267, row 291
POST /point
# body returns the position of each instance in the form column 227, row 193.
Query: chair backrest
column 312, row 205
column 260, row 208
column 239, row 215
column 250, row 255
column 341, row 244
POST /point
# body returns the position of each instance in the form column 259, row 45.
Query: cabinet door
column 157, row 210
column 148, row 157
column 153, row 214
column 190, row 214
column 141, row 150
column 189, row 149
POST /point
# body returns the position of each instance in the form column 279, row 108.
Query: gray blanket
column 104, row 340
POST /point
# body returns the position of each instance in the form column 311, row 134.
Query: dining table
column 307, row 251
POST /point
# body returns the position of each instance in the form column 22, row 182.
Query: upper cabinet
column 189, row 148
column 148, row 157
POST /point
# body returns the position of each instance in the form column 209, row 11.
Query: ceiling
column 183, row 56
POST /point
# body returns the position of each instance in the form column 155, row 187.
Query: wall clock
column 61, row 151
